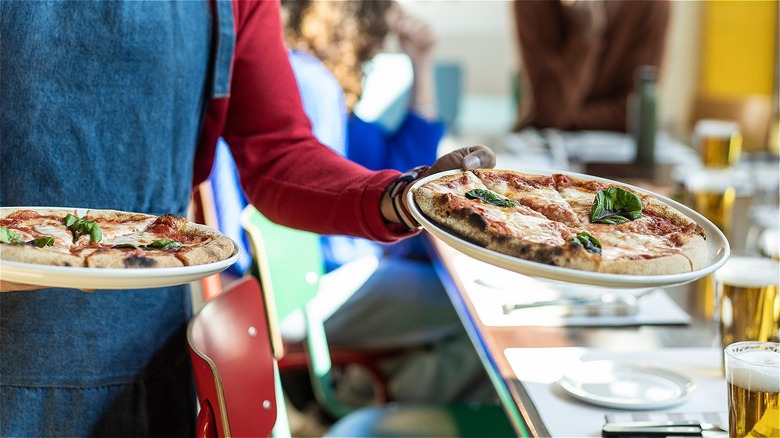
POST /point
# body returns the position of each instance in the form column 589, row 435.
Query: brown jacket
column 571, row 81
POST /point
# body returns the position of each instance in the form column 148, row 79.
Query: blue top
column 414, row 142
column 323, row 100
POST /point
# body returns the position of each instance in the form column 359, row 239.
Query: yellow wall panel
column 739, row 39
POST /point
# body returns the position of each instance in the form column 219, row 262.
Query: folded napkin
column 490, row 288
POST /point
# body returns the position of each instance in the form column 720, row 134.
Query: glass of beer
column 753, row 378
column 712, row 193
column 719, row 142
column 748, row 299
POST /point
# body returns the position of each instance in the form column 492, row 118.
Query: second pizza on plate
column 107, row 239
column 564, row 220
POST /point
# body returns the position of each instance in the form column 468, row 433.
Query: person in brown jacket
column 579, row 58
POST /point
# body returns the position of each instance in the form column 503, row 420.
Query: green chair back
column 289, row 262
column 290, row 266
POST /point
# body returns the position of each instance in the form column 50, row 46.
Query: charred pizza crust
column 548, row 212
column 128, row 240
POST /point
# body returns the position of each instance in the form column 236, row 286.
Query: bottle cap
column 646, row 73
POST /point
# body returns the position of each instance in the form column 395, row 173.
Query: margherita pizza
column 107, row 239
column 566, row 221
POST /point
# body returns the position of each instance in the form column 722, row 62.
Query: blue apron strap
column 225, row 48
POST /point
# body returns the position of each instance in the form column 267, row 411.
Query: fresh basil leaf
column 9, row 236
column 42, row 241
column 590, row 243
column 95, row 233
column 165, row 244
column 70, row 220
column 80, row 226
column 615, row 206
column 490, row 197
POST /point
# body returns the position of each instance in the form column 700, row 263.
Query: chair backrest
column 753, row 113
column 233, row 364
column 290, row 264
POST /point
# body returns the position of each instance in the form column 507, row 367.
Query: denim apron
column 100, row 107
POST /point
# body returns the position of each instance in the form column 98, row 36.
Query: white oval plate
column 100, row 278
column 717, row 245
column 623, row 386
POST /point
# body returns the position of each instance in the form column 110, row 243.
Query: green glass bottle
column 643, row 114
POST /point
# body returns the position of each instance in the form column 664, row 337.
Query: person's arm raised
column 417, row 41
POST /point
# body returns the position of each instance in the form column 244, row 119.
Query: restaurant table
column 497, row 345
column 524, row 354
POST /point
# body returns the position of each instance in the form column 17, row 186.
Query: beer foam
column 755, row 370
column 770, row 243
column 716, row 128
column 749, row 272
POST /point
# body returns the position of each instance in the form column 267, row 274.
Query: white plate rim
column 574, row 387
column 106, row 278
column 717, row 245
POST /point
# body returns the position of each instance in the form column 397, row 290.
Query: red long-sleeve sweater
column 286, row 173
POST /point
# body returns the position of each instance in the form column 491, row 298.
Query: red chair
column 233, row 363
column 234, row 374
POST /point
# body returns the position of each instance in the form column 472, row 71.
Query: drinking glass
column 719, row 142
column 753, row 379
column 712, row 193
column 748, row 299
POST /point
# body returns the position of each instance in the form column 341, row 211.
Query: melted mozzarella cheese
column 132, row 239
column 114, row 230
column 573, row 195
column 621, row 244
column 61, row 235
column 531, row 228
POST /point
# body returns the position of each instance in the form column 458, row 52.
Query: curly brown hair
column 342, row 34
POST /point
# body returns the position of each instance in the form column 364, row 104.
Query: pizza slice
column 579, row 194
column 37, row 236
column 639, row 234
column 114, row 224
column 668, row 241
column 537, row 192
column 199, row 243
column 463, row 204
column 162, row 242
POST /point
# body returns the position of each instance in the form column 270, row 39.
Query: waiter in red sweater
column 119, row 105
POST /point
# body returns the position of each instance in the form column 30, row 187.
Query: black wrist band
column 396, row 191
